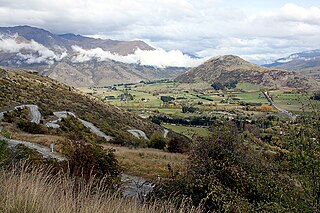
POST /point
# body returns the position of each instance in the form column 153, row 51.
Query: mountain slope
column 66, row 41
column 232, row 68
column 304, row 62
column 101, row 73
column 21, row 87
column 74, row 59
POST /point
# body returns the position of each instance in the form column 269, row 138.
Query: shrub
column 86, row 160
column 157, row 142
column 166, row 99
column 316, row 96
column 266, row 108
column 229, row 173
column 186, row 109
column 32, row 128
column 3, row 152
column 177, row 145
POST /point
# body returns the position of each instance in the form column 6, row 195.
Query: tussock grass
column 146, row 162
column 31, row 190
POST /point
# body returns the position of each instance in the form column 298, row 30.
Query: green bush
column 157, row 141
column 316, row 96
column 177, row 145
column 73, row 129
column 186, row 109
column 3, row 152
column 86, row 160
column 228, row 172
column 32, row 128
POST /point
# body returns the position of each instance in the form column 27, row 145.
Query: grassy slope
column 37, row 191
column 188, row 131
column 22, row 87
column 146, row 162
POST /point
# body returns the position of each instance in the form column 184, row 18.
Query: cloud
column 188, row 25
column 292, row 12
column 157, row 57
column 29, row 51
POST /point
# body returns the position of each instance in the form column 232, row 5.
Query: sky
column 259, row 31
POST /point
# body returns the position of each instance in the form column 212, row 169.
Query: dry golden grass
column 142, row 162
column 147, row 163
column 45, row 140
column 35, row 192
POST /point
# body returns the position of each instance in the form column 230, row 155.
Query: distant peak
column 71, row 35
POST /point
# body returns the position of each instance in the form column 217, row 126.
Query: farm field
column 246, row 99
column 294, row 102
column 188, row 131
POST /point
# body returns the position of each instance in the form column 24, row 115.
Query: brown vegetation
column 147, row 163
column 33, row 190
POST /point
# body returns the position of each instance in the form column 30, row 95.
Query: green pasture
column 188, row 130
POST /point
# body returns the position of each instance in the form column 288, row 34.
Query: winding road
column 34, row 112
column 134, row 186
column 165, row 134
column 64, row 114
column 35, row 118
column 289, row 114
column 95, row 130
column 43, row 150
column 138, row 133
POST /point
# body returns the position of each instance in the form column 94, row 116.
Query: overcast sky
column 256, row 30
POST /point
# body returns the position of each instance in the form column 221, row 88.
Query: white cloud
column 157, row 57
column 292, row 12
column 28, row 51
column 276, row 27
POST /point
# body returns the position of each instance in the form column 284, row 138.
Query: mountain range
column 307, row 62
column 66, row 41
column 75, row 59
column 82, row 61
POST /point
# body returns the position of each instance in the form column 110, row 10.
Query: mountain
column 232, row 68
column 66, row 41
column 101, row 73
column 24, row 87
column 307, row 62
column 76, row 60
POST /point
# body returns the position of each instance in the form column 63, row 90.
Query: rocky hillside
column 22, row 87
column 232, row 68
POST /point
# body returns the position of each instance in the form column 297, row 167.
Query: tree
column 316, row 96
column 186, row 109
column 177, row 145
column 217, row 86
column 166, row 99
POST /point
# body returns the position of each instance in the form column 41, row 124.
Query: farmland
column 198, row 100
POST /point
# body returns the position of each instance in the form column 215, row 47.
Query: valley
column 200, row 100
column 123, row 125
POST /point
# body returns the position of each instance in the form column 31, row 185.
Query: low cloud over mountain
column 157, row 57
column 29, row 52
column 29, row 47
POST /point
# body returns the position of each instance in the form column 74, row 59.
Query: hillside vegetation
column 22, row 87
column 230, row 68
column 35, row 191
